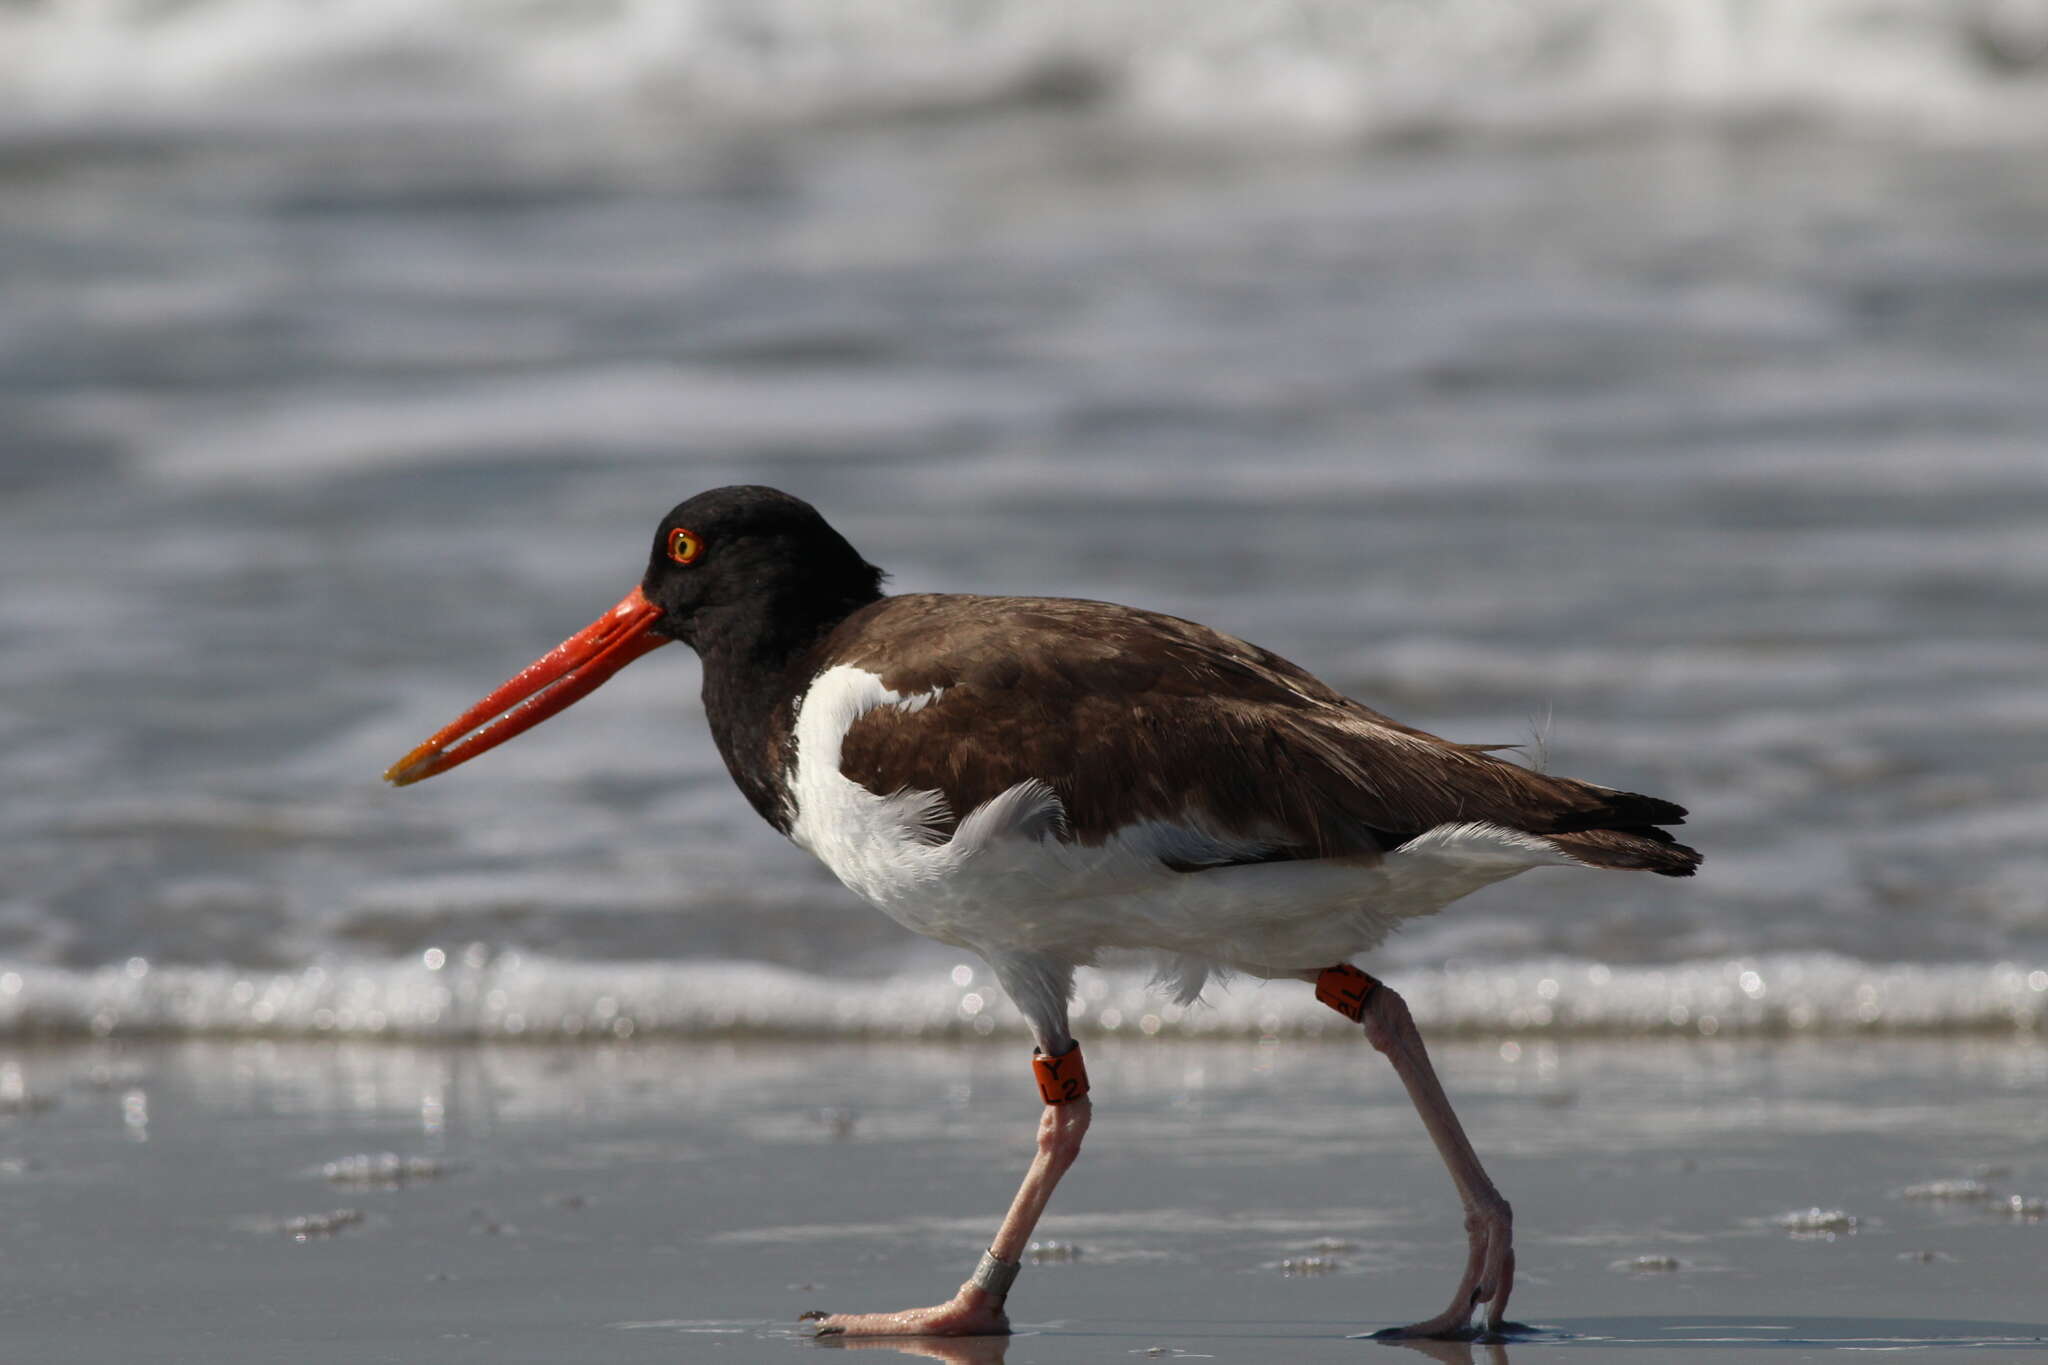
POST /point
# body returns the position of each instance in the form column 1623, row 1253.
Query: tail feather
column 1621, row 810
column 1643, row 848
column 1622, row 832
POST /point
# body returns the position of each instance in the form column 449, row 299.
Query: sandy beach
column 1238, row 1202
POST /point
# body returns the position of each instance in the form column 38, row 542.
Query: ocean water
column 1658, row 386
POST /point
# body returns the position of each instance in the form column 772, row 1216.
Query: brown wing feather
column 1131, row 715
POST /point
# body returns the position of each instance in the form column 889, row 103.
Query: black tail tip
column 1647, row 810
column 1676, row 860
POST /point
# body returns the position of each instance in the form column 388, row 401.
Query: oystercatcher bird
column 1040, row 780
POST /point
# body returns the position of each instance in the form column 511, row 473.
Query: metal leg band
column 1346, row 990
column 994, row 1275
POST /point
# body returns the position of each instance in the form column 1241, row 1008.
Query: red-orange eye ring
column 684, row 546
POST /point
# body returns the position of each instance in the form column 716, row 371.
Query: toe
column 1450, row 1325
column 821, row 1324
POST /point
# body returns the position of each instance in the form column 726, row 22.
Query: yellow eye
column 683, row 546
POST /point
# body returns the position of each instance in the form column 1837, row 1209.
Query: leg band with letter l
column 996, row 1276
column 1345, row 989
column 1061, row 1079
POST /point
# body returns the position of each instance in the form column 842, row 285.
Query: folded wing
column 1132, row 716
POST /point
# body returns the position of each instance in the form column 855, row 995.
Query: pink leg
column 975, row 1311
column 1489, row 1224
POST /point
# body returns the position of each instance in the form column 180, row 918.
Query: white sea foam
column 445, row 997
column 1323, row 67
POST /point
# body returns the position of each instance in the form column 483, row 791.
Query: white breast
column 889, row 848
column 1005, row 883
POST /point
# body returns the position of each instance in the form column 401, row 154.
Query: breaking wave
column 1320, row 67
column 514, row 997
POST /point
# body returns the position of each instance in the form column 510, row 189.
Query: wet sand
column 1237, row 1202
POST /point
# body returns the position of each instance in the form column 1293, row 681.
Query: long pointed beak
column 564, row 675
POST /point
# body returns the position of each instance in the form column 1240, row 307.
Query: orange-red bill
column 564, row 675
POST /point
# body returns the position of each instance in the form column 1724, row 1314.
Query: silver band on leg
column 994, row 1275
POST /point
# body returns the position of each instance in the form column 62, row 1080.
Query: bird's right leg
column 977, row 1308
column 1039, row 986
column 1489, row 1223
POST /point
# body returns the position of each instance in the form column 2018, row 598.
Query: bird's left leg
column 977, row 1309
column 1489, row 1223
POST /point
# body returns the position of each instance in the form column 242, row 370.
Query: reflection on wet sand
column 995, row 1350
column 1454, row 1352
column 953, row 1350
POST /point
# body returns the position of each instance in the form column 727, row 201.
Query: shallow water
column 1696, row 442
column 195, row 1200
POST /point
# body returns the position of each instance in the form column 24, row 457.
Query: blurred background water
column 1659, row 385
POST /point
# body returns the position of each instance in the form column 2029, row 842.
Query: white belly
column 1005, row 882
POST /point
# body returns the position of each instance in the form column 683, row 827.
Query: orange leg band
column 1061, row 1079
column 1345, row 989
